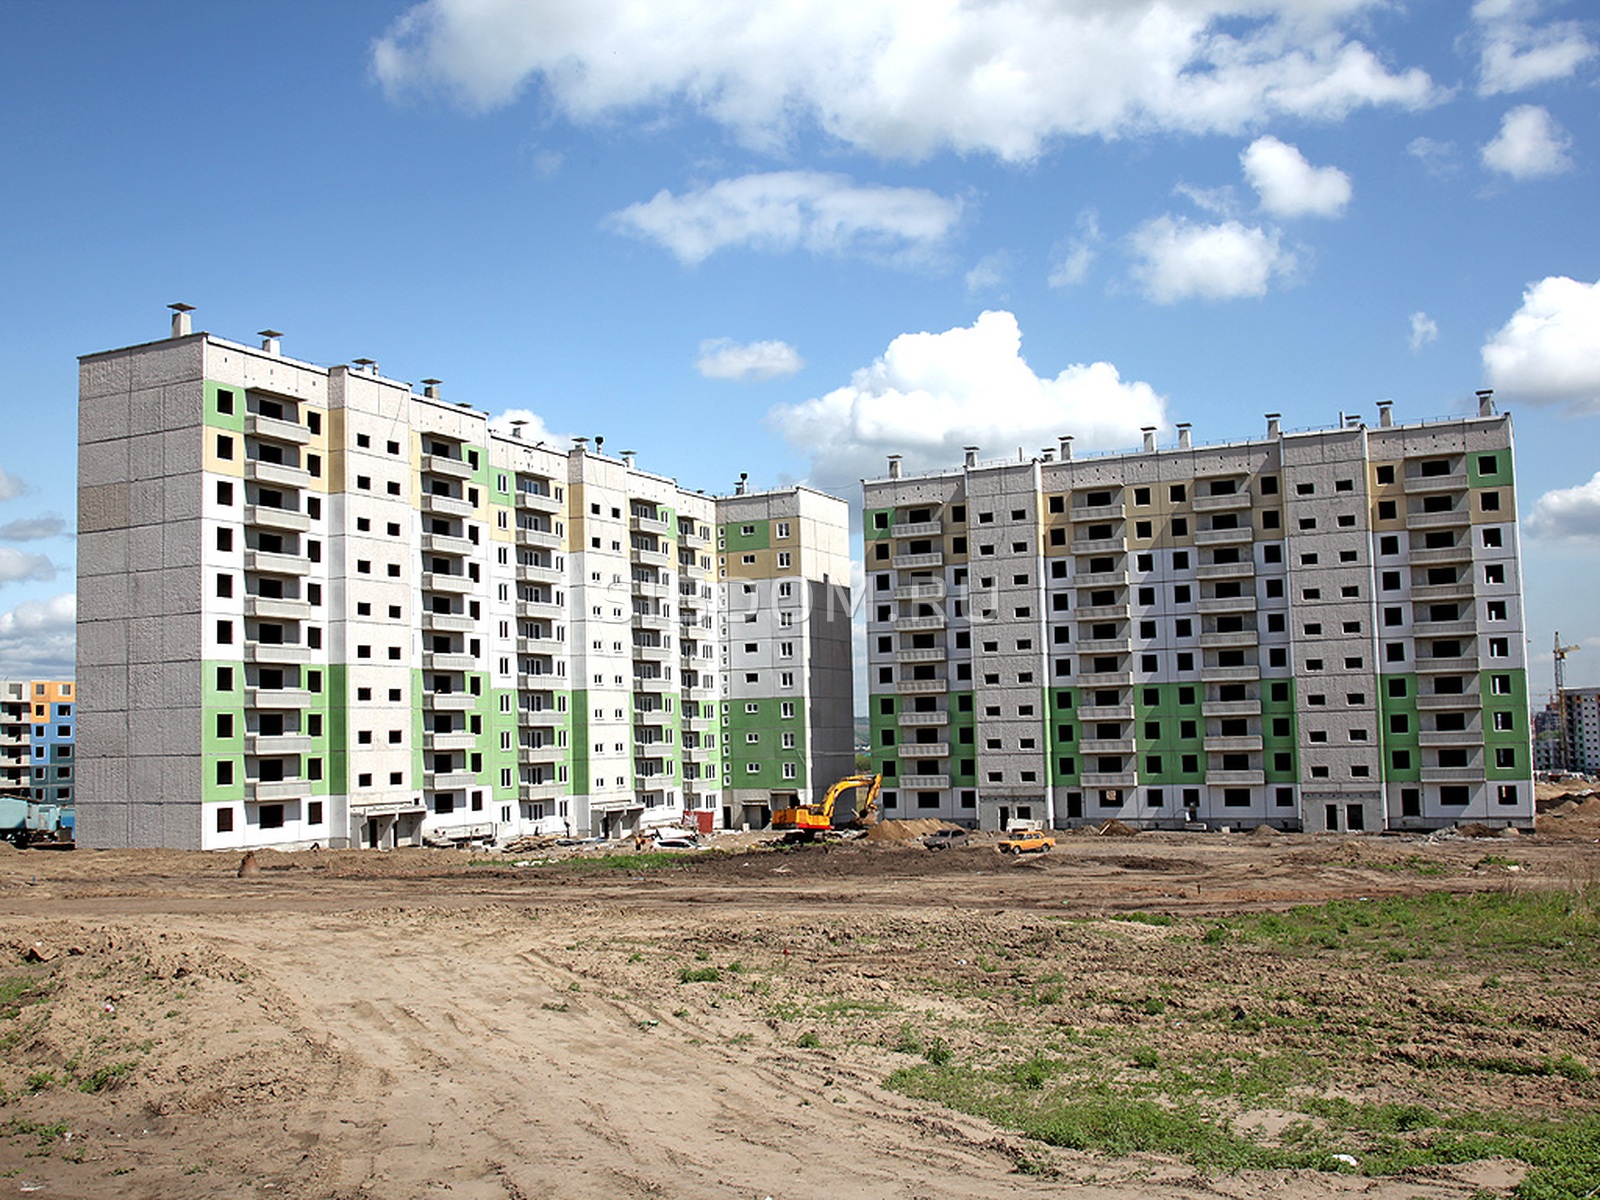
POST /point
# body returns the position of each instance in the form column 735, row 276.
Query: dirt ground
column 425, row 1023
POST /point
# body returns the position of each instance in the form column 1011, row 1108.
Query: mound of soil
column 903, row 831
column 1579, row 817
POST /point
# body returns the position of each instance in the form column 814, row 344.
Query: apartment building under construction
column 1318, row 630
column 315, row 606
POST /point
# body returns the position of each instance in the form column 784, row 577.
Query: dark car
column 943, row 839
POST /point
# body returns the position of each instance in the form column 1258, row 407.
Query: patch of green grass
column 937, row 1053
column 699, row 975
column 1563, row 1156
column 40, row 1081
column 103, row 1077
column 19, row 991
column 857, row 1008
column 1496, row 925
column 808, row 1040
column 22, row 1127
column 648, row 860
column 1144, row 918
column 1105, row 1124
column 1146, row 1057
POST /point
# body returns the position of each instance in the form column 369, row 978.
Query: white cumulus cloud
column 1074, row 257
column 530, row 427
column 29, row 529
column 795, row 210
column 40, row 616
column 1549, row 351
column 1289, row 186
column 1530, row 145
column 1438, row 157
column 723, row 358
column 907, row 78
column 1176, row 259
column 1518, row 53
column 1424, row 330
column 1567, row 514
column 37, row 638
column 989, row 272
column 15, row 566
column 930, row 394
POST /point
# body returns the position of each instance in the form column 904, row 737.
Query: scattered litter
column 1348, row 1160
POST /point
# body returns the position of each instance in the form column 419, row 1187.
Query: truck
column 26, row 823
column 808, row 820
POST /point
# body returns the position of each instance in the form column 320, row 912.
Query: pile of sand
column 1264, row 831
column 1576, row 818
column 1116, row 828
column 903, row 831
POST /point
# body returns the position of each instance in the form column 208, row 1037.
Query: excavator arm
column 818, row 818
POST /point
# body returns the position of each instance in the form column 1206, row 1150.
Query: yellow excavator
column 808, row 820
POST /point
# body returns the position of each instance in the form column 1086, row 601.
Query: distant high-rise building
column 38, row 724
column 315, row 606
column 1318, row 630
column 1583, row 730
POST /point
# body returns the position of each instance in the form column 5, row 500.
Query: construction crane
column 1565, row 743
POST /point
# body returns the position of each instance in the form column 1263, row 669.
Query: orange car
column 1027, row 841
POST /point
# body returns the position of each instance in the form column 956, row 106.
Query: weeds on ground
column 1166, row 1085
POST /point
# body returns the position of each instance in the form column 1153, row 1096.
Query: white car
column 676, row 839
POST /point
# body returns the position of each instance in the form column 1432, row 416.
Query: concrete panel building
column 1318, row 630
column 38, row 734
column 316, row 606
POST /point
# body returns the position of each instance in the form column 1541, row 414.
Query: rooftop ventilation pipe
column 180, row 319
column 1486, row 402
column 627, row 458
column 1066, row 447
column 969, row 456
column 580, row 445
column 365, row 365
column 739, row 488
column 1149, row 432
column 516, row 429
column 1183, row 436
column 894, row 466
column 269, row 340
column 430, row 388
column 1385, row 413
column 1273, row 426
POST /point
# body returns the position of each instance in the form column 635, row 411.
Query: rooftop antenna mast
column 1565, row 744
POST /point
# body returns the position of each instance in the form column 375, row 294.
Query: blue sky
column 788, row 239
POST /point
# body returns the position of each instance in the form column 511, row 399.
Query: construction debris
column 528, row 844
